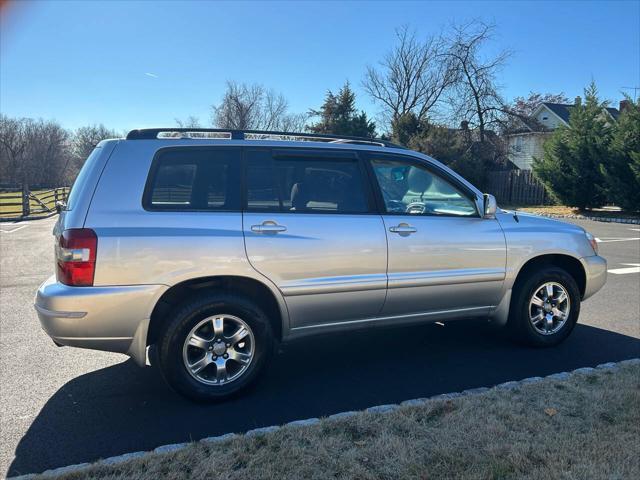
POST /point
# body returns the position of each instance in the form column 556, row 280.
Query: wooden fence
column 517, row 187
column 20, row 203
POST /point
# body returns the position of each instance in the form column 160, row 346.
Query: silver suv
column 201, row 249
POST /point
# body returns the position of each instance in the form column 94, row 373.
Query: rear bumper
column 114, row 319
column 595, row 268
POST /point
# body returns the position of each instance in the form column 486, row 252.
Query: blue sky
column 87, row 62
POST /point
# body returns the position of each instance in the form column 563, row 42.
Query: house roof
column 614, row 112
column 560, row 109
column 563, row 110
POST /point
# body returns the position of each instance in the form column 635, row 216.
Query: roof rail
column 153, row 133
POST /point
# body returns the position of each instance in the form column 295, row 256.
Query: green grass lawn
column 16, row 197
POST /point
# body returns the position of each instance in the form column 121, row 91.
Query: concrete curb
column 631, row 221
column 379, row 409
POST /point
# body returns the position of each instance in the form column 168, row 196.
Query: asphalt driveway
column 61, row 406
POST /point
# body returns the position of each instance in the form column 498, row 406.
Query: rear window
column 194, row 179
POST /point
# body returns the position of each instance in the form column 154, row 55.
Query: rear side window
column 194, row 179
column 304, row 184
column 82, row 178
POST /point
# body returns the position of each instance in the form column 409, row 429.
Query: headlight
column 592, row 241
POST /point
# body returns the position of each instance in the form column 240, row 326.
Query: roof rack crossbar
column 152, row 134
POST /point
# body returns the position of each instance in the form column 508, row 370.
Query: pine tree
column 622, row 172
column 339, row 116
column 570, row 167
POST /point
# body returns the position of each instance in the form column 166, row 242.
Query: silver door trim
column 335, row 285
column 395, row 317
column 445, row 277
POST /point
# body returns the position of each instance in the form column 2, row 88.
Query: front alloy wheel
column 544, row 306
column 549, row 308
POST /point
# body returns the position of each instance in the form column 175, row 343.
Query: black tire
column 181, row 322
column 520, row 324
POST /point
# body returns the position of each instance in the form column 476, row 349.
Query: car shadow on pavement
column 123, row 408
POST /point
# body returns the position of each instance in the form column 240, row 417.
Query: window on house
column 518, row 145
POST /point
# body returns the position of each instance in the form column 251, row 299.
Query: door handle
column 403, row 228
column 268, row 227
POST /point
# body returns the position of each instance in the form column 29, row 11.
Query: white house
column 526, row 143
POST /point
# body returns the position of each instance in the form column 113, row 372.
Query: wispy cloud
column 152, row 75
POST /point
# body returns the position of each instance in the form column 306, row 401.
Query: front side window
column 304, row 185
column 411, row 189
column 194, row 179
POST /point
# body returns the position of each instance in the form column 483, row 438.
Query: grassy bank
column 562, row 210
column 585, row 427
column 9, row 210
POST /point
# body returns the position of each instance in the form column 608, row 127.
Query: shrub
column 622, row 171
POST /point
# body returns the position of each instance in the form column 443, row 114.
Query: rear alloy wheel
column 218, row 350
column 214, row 345
column 544, row 307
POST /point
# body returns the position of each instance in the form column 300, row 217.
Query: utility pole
column 635, row 91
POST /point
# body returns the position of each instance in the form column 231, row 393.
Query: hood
column 531, row 235
column 524, row 221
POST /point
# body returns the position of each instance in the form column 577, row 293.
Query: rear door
column 310, row 226
column 445, row 259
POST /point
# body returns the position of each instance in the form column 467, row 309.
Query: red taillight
column 76, row 257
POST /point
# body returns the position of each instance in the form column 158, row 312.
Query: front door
column 310, row 226
column 445, row 259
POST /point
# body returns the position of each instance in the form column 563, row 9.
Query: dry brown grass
column 591, row 429
column 562, row 210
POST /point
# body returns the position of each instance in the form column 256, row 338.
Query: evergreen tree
column 570, row 167
column 405, row 127
column 457, row 149
column 339, row 116
column 622, row 172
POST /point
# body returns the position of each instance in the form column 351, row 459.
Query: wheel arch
column 570, row 264
column 255, row 290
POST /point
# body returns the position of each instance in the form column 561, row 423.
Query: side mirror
column 490, row 206
column 60, row 206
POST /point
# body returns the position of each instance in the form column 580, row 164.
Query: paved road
column 61, row 406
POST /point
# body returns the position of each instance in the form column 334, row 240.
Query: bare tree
column 48, row 153
column 83, row 141
column 33, row 151
column 412, row 77
column 42, row 152
column 189, row 122
column 13, row 145
column 475, row 97
column 253, row 107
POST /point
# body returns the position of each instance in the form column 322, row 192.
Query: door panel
column 441, row 254
column 448, row 263
column 308, row 227
column 329, row 267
